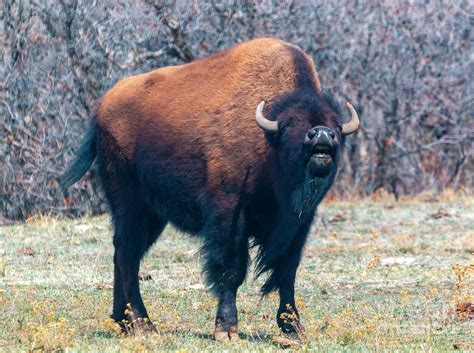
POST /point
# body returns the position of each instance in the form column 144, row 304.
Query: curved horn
column 353, row 125
column 264, row 123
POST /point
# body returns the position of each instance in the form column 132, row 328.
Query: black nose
column 321, row 135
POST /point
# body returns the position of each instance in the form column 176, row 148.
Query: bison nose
column 320, row 135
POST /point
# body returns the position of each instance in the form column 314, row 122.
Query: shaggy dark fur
column 209, row 170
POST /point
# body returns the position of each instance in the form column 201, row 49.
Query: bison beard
column 309, row 194
column 184, row 145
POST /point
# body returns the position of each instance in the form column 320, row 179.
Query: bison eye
column 312, row 133
column 286, row 124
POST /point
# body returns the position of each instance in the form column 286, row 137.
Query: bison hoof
column 295, row 329
column 222, row 335
column 137, row 326
column 144, row 326
column 290, row 324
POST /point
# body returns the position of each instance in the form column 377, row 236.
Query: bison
column 238, row 148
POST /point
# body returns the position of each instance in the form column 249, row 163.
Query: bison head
column 308, row 135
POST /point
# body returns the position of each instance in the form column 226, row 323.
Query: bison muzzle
column 238, row 148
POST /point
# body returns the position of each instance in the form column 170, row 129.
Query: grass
column 376, row 275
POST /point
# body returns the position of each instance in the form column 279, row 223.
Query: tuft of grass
column 376, row 275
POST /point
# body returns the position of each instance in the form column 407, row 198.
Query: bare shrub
column 407, row 67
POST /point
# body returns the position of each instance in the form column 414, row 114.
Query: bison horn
column 264, row 123
column 353, row 125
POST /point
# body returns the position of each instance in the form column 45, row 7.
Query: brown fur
column 194, row 103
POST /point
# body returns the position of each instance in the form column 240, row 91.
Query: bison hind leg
column 136, row 228
column 135, row 232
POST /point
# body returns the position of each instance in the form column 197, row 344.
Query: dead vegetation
column 411, row 83
column 389, row 277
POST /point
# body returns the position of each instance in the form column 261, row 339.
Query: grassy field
column 376, row 275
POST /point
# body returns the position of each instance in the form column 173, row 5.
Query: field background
column 389, row 265
column 376, row 275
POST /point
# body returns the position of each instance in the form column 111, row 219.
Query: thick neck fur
column 299, row 194
column 308, row 194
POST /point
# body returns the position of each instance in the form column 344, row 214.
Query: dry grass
column 376, row 275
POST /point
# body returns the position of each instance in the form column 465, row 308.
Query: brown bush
column 407, row 67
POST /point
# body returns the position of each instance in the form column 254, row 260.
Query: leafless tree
column 407, row 66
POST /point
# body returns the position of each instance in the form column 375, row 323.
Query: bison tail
column 84, row 158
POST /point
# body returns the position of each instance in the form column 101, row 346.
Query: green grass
column 380, row 278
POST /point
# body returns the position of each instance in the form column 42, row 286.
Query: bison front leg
column 226, row 250
column 288, row 318
column 283, row 278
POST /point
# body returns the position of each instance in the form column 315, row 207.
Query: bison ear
column 266, row 125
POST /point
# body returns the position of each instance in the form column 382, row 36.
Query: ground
column 377, row 274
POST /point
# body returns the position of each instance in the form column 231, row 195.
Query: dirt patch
column 441, row 213
column 338, row 218
column 465, row 311
column 25, row 251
